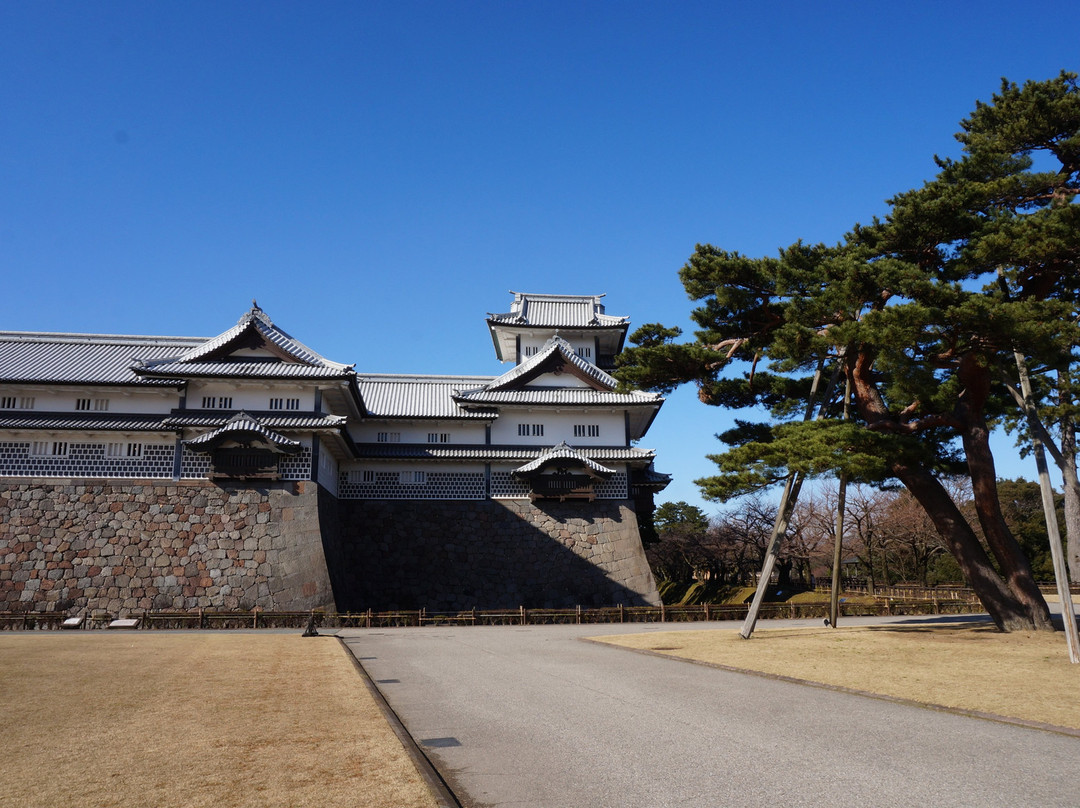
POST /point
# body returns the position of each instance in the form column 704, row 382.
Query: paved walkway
column 532, row 716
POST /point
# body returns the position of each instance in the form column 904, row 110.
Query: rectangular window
column 17, row 403
column 284, row 403
column 438, row 437
column 217, row 402
column 101, row 404
column 82, row 403
column 389, row 437
column 412, row 477
column 114, row 450
column 531, row 350
column 360, row 476
column 536, row 430
column 49, row 448
column 585, row 353
column 134, row 450
column 586, row 430
column 7, row 403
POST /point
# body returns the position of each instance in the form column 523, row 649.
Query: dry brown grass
column 967, row 667
column 142, row 719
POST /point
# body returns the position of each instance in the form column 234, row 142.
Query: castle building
column 248, row 470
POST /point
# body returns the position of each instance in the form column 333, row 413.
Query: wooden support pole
column 1061, row 574
column 787, row 505
column 838, row 540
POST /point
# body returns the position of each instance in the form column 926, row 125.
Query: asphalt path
column 533, row 716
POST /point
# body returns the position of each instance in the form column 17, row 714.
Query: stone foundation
column 492, row 554
column 124, row 546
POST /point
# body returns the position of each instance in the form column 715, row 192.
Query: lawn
column 167, row 719
column 970, row 667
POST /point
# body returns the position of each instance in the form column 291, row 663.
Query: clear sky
column 379, row 174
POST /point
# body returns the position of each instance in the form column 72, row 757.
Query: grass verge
column 110, row 719
column 1021, row 676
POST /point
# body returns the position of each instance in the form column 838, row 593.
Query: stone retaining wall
column 489, row 555
column 124, row 546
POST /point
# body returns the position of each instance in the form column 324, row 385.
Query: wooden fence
column 258, row 618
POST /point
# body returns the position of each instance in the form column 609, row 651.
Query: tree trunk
column 1007, row 612
column 1010, row 557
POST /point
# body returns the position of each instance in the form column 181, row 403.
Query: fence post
column 578, row 610
column 255, row 617
column 522, row 610
column 621, row 615
column 367, row 618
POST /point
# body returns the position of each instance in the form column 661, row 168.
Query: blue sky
column 379, row 175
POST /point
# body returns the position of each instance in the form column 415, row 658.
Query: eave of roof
column 179, row 419
column 484, row 453
column 560, row 397
column 83, row 422
column 243, row 426
column 563, row 453
column 244, row 369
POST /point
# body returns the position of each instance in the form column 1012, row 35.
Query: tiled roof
column 392, row 396
column 252, row 369
column 559, row 396
column 483, row 454
column 563, row 452
column 555, row 345
column 243, row 424
column 95, row 422
column 651, row 478
column 558, row 311
column 51, row 358
column 301, row 362
column 195, row 418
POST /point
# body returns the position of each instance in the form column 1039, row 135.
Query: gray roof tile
column 563, row 452
column 558, row 311
column 257, row 369
column 509, row 454
column 196, row 418
column 552, row 346
column 240, row 424
column 95, row 422
column 393, row 396
column 50, row 358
